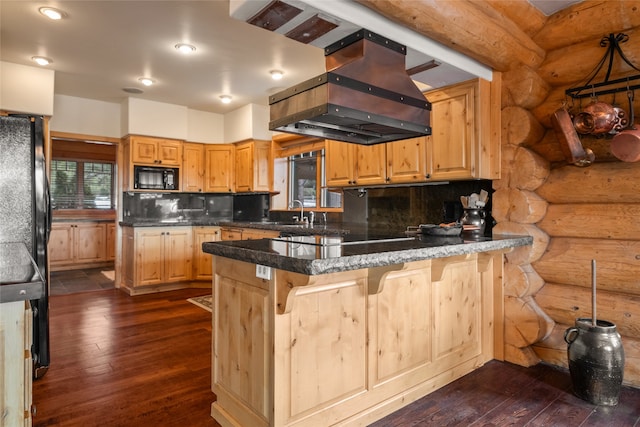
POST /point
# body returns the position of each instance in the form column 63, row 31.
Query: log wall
column 574, row 214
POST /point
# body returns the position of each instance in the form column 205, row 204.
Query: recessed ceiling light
column 225, row 99
column 185, row 48
column 52, row 13
column 146, row 81
column 276, row 74
column 41, row 60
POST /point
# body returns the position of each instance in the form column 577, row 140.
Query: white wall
column 248, row 122
column 156, row 119
column 205, row 127
column 26, row 89
column 86, row 116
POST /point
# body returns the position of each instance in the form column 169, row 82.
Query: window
column 307, row 180
column 81, row 184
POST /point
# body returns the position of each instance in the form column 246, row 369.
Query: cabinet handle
column 427, row 176
column 387, row 179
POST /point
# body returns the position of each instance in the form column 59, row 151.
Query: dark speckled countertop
column 20, row 279
column 285, row 228
column 313, row 255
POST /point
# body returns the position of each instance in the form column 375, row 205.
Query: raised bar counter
column 341, row 330
column 352, row 251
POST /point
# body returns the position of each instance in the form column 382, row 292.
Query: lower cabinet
column 81, row 244
column 202, row 262
column 15, row 363
column 156, row 255
column 228, row 233
column 348, row 348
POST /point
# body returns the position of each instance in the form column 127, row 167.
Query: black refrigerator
column 25, row 214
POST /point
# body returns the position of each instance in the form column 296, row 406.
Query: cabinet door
column 149, row 257
column 192, row 172
column 449, row 146
column 90, row 242
column 231, row 234
column 261, row 165
column 128, row 273
column 202, row 262
column 144, row 150
column 61, row 244
column 370, row 164
column 177, row 254
column 339, row 164
column 253, row 234
column 244, row 166
column 111, row 242
column 219, row 168
column 407, row 160
column 169, row 152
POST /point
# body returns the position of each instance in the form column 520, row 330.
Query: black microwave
column 155, row 178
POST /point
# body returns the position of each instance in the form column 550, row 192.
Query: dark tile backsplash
column 195, row 206
column 392, row 208
column 396, row 208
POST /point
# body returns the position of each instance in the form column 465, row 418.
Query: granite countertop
column 315, row 255
column 20, row 279
column 285, row 228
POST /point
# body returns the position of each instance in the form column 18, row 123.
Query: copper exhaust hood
column 365, row 97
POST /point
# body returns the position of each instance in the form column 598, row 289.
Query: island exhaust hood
column 365, row 97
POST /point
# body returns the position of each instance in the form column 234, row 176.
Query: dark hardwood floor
column 145, row 361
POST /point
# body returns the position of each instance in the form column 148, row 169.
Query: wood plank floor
column 145, row 361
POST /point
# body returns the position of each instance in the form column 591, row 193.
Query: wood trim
column 83, row 137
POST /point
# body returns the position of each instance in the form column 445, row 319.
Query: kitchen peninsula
column 343, row 330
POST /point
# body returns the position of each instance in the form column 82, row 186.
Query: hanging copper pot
column 596, row 118
column 570, row 143
column 626, row 144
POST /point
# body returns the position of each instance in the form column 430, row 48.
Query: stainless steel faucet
column 301, row 208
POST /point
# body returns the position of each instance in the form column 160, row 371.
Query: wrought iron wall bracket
column 589, row 89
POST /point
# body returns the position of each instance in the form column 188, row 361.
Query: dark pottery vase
column 476, row 218
column 596, row 361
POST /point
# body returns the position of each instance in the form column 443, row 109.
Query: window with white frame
column 307, row 182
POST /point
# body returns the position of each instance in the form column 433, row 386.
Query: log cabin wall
column 574, row 214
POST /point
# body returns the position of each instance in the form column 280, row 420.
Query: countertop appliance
column 26, row 215
column 155, row 178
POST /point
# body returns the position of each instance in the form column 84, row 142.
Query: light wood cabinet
column 255, row 234
column 465, row 139
column 407, row 161
column 160, row 255
column 219, row 168
column 202, row 262
column 111, row 242
column 348, row 348
column 234, row 233
column 252, row 166
column 464, row 144
column 15, row 364
column 192, row 172
column 78, row 245
column 147, row 150
column 395, row 162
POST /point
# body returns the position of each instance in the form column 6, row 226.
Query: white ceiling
column 102, row 47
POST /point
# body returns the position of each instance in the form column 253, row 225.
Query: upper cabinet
column 465, row 144
column 219, row 168
column 352, row 164
column 192, row 172
column 155, row 151
column 252, row 166
column 148, row 151
column 465, row 139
